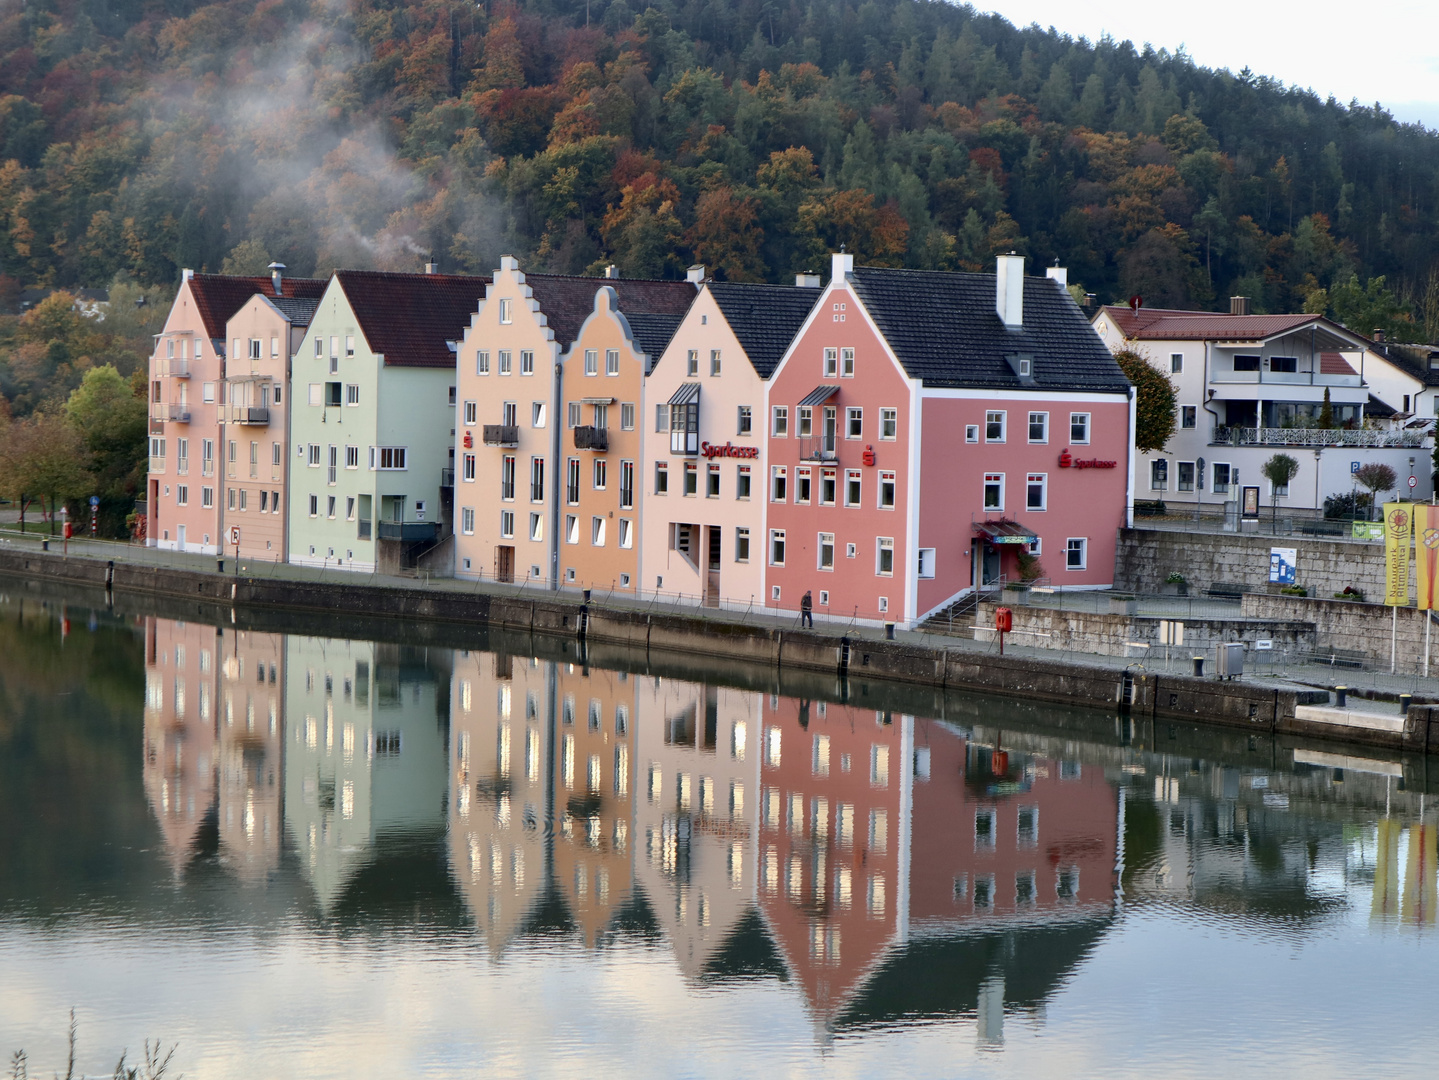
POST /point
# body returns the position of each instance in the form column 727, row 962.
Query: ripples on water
column 308, row 856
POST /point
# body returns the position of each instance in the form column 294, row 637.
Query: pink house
column 926, row 427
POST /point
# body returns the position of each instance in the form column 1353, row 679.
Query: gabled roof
column 1417, row 361
column 1167, row 324
column 567, row 301
column 411, row 318
column 219, row 296
column 296, row 312
column 944, row 329
column 652, row 332
column 765, row 318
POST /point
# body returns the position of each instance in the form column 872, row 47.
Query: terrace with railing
column 1317, row 438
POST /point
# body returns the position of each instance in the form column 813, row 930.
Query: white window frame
column 1073, row 544
column 831, row 363
column 1043, row 423
column 998, row 480
column 467, row 520
column 824, row 542
column 779, row 421
column 1079, row 420
column 1042, row 480
column 888, row 424
column 989, row 419
column 776, row 536
column 881, row 545
column 854, row 415
column 888, row 478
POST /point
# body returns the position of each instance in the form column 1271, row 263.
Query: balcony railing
column 500, row 435
column 246, row 414
column 818, row 448
column 1284, row 378
column 175, row 414
column 592, row 438
column 1316, row 437
column 408, row 530
column 177, row 368
column 447, row 478
column 364, row 531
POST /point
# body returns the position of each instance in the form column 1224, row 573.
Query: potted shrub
column 1294, row 590
column 1175, row 585
column 1350, row 593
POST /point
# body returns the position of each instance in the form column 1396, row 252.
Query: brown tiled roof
column 219, row 296
column 1333, row 363
column 1167, row 324
column 409, row 318
column 567, row 302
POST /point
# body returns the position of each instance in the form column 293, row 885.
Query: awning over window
column 598, row 400
column 1005, row 532
column 687, row 394
column 819, row 395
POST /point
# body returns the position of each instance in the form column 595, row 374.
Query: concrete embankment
column 936, row 664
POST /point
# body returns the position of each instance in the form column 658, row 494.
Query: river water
column 290, row 852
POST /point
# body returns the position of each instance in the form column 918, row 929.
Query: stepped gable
column 567, row 301
column 219, row 296
column 945, row 331
column 765, row 318
column 410, row 319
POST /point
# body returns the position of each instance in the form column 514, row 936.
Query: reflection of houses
column 365, row 758
column 181, row 749
column 501, row 716
column 696, row 816
column 250, row 719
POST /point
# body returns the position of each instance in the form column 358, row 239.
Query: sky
column 1388, row 53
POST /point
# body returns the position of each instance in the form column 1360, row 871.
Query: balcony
column 592, row 438
column 408, row 531
column 447, row 478
column 1316, row 438
column 500, row 435
column 161, row 413
column 177, row 368
column 246, row 414
column 818, row 448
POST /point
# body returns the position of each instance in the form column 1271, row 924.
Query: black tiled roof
column 765, row 318
column 946, row 332
column 299, row 312
column 652, row 331
column 566, row 301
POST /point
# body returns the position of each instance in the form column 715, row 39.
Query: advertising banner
column 1426, row 551
column 1368, row 530
column 1282, row 562
column 1398, row 528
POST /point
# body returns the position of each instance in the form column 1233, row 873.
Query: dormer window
column 1026, row 366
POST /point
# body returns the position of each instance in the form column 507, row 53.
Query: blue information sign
column 94, row 500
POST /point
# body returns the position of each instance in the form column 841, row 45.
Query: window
column 507, row 477
column 207, row 498
column 1035, row 491
column 627, row 485
column 597, row 531
column 889, row 423
column 886, row 491
column 852, row 487
column 826, row 551
column 1246, row 363
column 1158, row 474
column 467, row 472
column 692, row 363
column 592, row 361
column 846, row 363
column 349, row 506
column 319, row 347
column 507, row 314
column 537, row 479
column 662, row 478
column 831, row 363
column 392, row 458
column 1280, row 490
column 317, row 393
column 527, row 362
column 208, row 393
column 854, row 423
column 780, row 424
column 741, row 545
column 467, row 520
column 182, row 495
column 1221, row 478
column 352, row 457
column 506, row 361
column 279, row 395
column 612, row 361
column 884, row 563
column 602, row 417
column 1185, row 476
column 572, row 529
column 471, row 413
column 806, row 421
column 349, row 345
column 482, row 362
column 599, row 474
column 745, row 422
column 313, row 459
column 572, row 417
column 743, row 475
column 1287, row 365
column 971, row 433
column 1176, row 363
column 777, row 484
column 314, row 504
column 776, row 547
column 1039, row 427
column 352, row 394
column 537, row 414
column 926, row 562
column 1079, row 428
column 1075, row 550
column 572, row 481
column 254, row 348
column 627, row 416
column 692, row 481
column 993, row 491
column 1188, row 415
column 994, row 426
column 828, row 481
column 712, row 482
column 537, row 527
column 714, row 361
column 801, row 484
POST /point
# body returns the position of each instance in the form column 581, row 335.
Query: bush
column 1294, row 590
column 1350, row 593
column 1348, row 505
column 1174, row 578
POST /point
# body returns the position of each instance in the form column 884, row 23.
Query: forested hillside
column 139, row 136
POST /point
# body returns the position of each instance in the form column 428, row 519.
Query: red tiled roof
column 219, row 296
column 409, row 317
column 568, row 301
column 1164, row 324
column 1333, row 363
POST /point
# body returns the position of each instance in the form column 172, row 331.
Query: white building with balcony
column 1248, row 387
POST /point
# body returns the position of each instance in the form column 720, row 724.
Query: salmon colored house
column 925, row 427
column 187, row 393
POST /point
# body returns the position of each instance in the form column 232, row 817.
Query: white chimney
column 612, row 271
column 1059, row 274
column 509, row 262
column 806, row 281
column 277, row 275
column 1009, row 290
column 840, row 265
column 695, row 275
column 432, row 267
column 186, row 274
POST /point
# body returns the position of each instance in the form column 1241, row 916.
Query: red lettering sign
column 469, row 440
column 1067, row 461
column 868, row 455
column 710, row 450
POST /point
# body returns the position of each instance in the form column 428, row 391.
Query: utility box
column 1229, row 661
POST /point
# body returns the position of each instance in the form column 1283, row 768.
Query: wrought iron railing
column 1316, row 437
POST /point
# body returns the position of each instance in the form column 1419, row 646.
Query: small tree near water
column 1377, row 477
column 1278, row 470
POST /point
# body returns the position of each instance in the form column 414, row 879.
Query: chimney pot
column 840, row 264
column 1009, row 290
column 612, row 271
column 277, row 275
column 806, row 281
column 695, row 275
column 1379, row 335
column 432, row 267
column 1239, row 305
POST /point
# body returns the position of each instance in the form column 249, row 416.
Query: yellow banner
column 1426, row 551
column 1398, row 529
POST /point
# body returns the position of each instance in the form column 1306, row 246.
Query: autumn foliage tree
column 1154, row 401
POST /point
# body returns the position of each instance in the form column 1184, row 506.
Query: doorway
column 712, row 573
column 989, row 564
column 180, row 541
column 504, row 564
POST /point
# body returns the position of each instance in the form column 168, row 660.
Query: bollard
column 44, row 545
column 889, row 631
column 1341, row 697
column 1405, row 700
column 1199, row 667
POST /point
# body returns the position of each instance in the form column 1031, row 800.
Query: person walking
column 806, row 610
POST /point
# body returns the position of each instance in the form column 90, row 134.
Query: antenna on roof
column 841, row 249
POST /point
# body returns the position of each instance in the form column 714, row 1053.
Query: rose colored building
column 251, row 723
column 551, row 389
column 924, row 426
column 706, row 454
column 187, row 373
